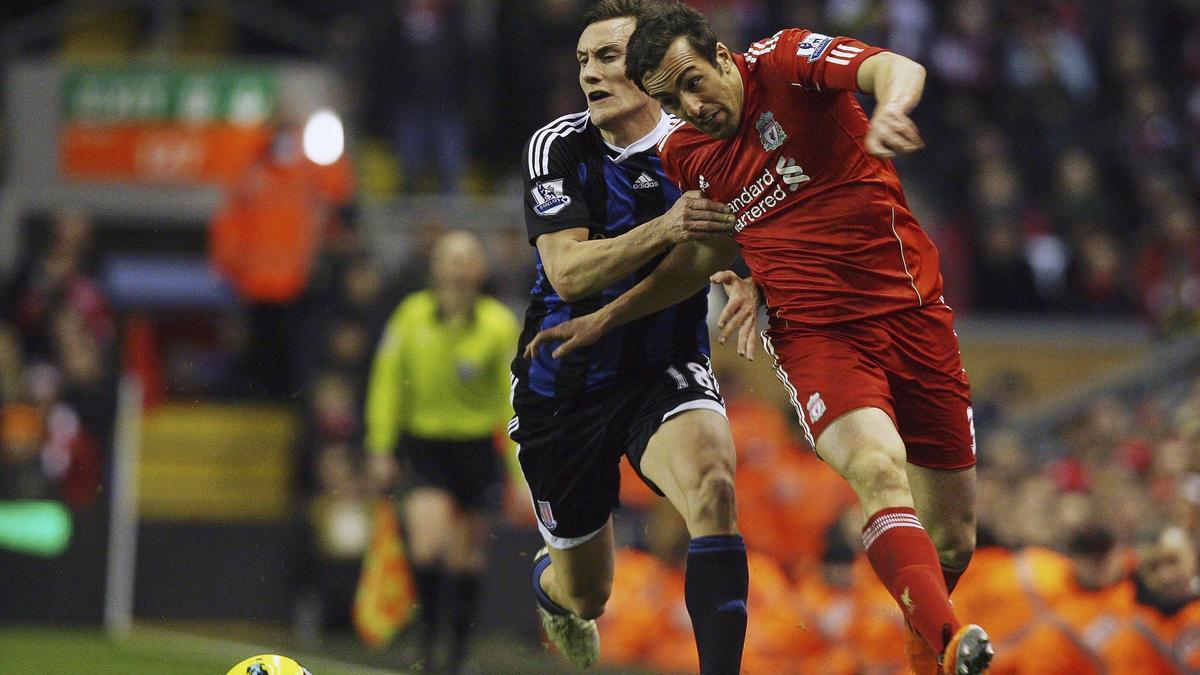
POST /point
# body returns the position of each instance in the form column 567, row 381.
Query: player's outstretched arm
column 897, row 84
column 579, row 267
column 680, row 275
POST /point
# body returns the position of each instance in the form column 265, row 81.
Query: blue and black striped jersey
column 573, row 179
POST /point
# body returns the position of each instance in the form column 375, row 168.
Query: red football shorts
column 904, row 363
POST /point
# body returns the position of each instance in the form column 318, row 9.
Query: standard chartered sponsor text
column 750, row 193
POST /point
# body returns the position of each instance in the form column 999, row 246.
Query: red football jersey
column 823, row 226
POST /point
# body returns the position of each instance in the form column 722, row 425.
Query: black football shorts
column 570, row 448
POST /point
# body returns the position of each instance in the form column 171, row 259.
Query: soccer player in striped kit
column 861, row 337
column 602, row 215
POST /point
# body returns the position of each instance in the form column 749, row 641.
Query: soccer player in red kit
column 861, row 337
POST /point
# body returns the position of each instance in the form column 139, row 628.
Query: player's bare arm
column 680, row 275
column 897, row 83
column 579, row 267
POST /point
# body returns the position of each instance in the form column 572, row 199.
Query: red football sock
column 905, row 560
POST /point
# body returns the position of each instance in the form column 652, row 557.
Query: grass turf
column 183, row 649
column 71, row 650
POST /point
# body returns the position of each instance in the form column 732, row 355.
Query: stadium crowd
column 1063, row 152
column 58, row 346
column 1063, row 137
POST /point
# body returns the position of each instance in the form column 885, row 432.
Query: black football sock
column 428, row 579
column 715, row 586
column 464, row 590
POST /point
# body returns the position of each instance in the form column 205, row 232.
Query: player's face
column 708, row 97
column 611, row 97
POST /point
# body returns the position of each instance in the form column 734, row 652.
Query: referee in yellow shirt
column 439, row 390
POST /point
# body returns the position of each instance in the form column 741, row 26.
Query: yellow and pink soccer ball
column 268, row 664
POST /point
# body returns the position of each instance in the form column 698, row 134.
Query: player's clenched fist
column 892, row 133
column 694, row 216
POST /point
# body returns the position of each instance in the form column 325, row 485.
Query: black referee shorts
column 570, row 449
column 468, row 470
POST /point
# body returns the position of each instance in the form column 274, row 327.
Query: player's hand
column 694, row 216
column 740, row 314
column 575, row 334
column 382, row 473
column 892, row 133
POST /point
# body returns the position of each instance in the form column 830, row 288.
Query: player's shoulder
column 680, row 138
column 553, row 138
column 787, row 44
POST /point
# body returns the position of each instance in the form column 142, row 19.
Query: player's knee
column 956, row 546
column 585, row 596
column 876, row 472
column 589, row 602
column 715, row 505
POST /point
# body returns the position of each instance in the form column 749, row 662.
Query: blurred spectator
column 11, row 366
column 1080, row 603
column 57, row 277
column 265, row 240
column 1004, row 277
column 45, row 450
column 429, row 55
column 21, row 475
column 1168, row 607
column 960, row 53
column 335, row 535
column 1168, row 271
column 57, row 388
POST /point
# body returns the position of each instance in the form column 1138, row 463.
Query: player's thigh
column 864, row 447
column 429, row 516
column 676, row 429
column 687, row 449
column 857, row 432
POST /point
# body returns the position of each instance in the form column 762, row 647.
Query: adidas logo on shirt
column 644, row 181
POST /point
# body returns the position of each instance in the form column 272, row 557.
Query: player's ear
column 724, row 58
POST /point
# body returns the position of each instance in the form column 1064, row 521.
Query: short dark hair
column 603, row 10
column 659, row 25
column 1092, row 541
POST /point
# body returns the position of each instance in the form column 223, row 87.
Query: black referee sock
column 428, row 580
column 464, row 589
column 715, row 586
column 465, row 593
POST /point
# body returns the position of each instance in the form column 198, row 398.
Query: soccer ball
column 268, row 664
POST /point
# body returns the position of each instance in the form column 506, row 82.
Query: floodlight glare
column 324, row 138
